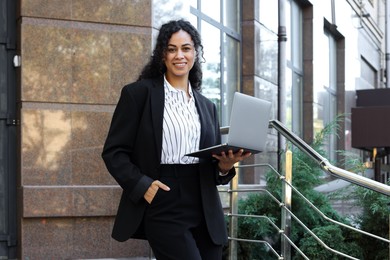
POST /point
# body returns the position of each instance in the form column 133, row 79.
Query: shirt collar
column 170, row 88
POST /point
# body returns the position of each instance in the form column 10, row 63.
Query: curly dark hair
column 156, row 66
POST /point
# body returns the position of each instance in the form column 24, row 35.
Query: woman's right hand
column 152, row 190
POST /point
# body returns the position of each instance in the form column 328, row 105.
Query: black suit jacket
column 132, row 154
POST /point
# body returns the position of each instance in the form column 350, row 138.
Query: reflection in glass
column 296, row 35
column 221, row 41
column 324, row 94
column 268, row 14
column 297, row 101
column 290, row 36
column 267, row 55
column 193, row 20
column 212, row 66
column 289, row 87
column 231, row 11
column 166, row 10
column 318, row 117
column 231, row 75
column 294, row 73
column 193, row 3
column 211, row 9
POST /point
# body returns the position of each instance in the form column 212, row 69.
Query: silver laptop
column 248, row 129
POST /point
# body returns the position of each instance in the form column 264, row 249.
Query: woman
column 169, row 198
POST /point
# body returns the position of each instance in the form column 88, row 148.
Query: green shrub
column 333, row 237
column 373, row 219
column 306, row 176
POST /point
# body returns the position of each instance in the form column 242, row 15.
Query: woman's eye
column 171, row 50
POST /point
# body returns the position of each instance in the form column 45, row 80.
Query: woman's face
column 180, row 55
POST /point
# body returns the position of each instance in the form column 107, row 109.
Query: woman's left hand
column 227, row 160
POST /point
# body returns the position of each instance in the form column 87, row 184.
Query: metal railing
column 285, row 205
column 326, row 165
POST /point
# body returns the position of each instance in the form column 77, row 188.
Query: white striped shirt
column 181, row 126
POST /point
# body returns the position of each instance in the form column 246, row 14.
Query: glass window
column 326, row 8
column 289, row 88
column 332, row 65
column 267, row 55
column 193, row 20
column 231, row 14
column 221, row 41
column 296, row 35
column 212, row 9
column 218, row 22
column 193, row 3
column 325, row 95
column 211, row 85
column 166, row 10
column 268, row 14
column 296, row 105
column 294, row 72
column 231, row 73
column 288, row 28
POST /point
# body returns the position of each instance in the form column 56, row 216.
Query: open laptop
column 248, row 129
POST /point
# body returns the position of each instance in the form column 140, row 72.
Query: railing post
column 233, row 226
column 286, row 217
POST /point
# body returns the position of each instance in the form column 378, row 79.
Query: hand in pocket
column 152, row 190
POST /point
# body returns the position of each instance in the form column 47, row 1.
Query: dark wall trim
column 8, row 130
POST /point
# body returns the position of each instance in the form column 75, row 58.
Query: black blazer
column 132, row 154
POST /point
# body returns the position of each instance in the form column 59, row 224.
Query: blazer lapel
column 202, row 113
column 157, row 107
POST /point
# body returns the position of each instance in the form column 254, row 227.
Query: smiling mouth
column 179, row 64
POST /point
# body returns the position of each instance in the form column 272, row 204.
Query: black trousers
column 174, row 222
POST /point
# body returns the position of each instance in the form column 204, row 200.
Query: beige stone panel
column 46, row 62
column 133, row 12
column 45, row 143
column 63, row 147
column 89, row 128
column 46, row 201
column 92, row 237
column 95, row 201
column 88, row 168
column 130, row 53
column 78, row 62
column 75, row 238
column 60, row 9
column 104, row 60
column 45, row 238
column 89, row 131
column 70, row 201
column 33, row 175
column 91, row 66
column 128, row 12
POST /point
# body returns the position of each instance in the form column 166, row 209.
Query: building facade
column 65, row 62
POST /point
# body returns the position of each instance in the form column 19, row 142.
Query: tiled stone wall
column 76, row 56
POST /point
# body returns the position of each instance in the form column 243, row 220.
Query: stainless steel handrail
column 326, row 165
column 280, row 177
column 296, row 219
